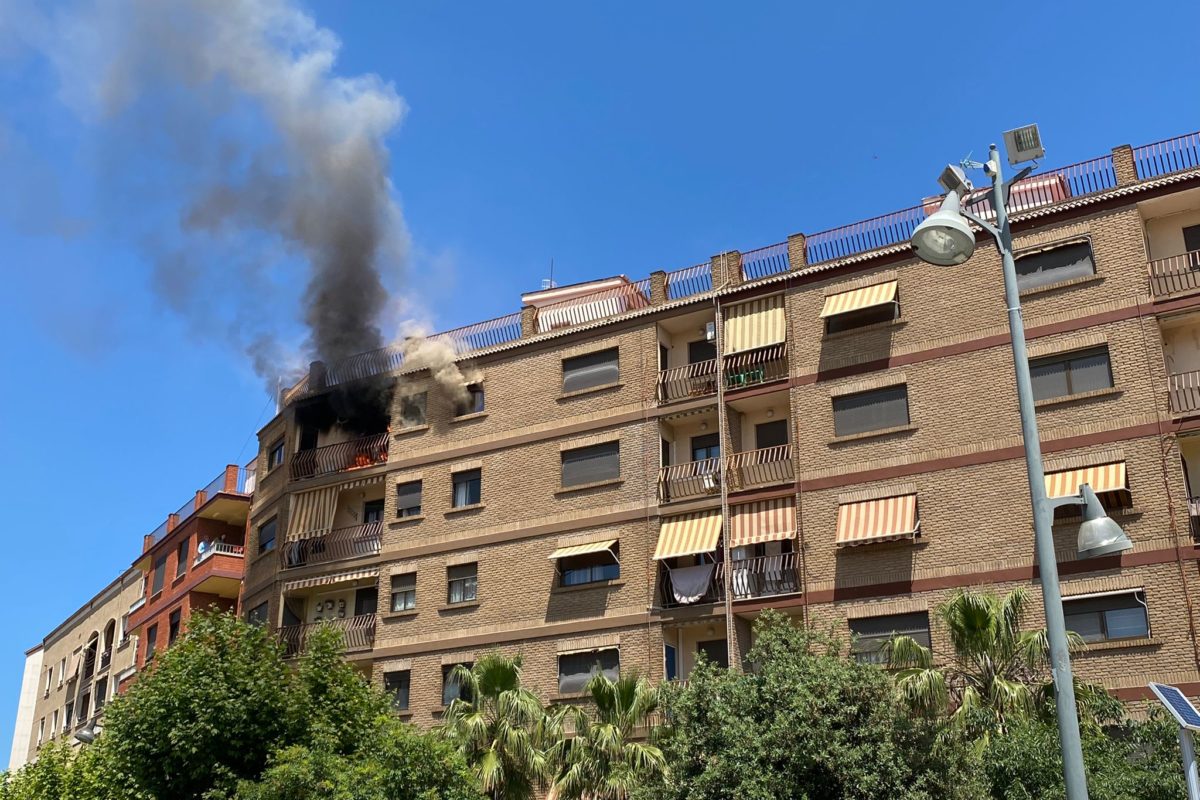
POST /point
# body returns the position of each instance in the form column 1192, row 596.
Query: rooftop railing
column 689, row 281
column 1170, row 155
column 765, row 261
column 594, row 307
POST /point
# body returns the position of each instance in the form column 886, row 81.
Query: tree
column 603, row 761
column 806, row 722
column 500, row 727
column 997, row 672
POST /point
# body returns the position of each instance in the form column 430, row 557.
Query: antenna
column 548, row 283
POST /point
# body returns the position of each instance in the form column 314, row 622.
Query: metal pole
column 1189, row 764
column 1064, row 688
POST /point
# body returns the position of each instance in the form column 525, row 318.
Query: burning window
column 474, row 402
column 412, row 410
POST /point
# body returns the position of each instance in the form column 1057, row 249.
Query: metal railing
column 1194, row 515
column 594, row 307
column 366, row 451
column 765, row 576
column 753, row 367
column 221, row 549
column 479, row 335
column 158, row 533
column 715, row 593
column 864, row 236
column 1176, row 154
column 693, row 479
column 337, row 544
column 691, row 380
column 762, row 467
column 1179, row 273
column 689, row 281
column 1183, row 392
column 358, row 633
column 770, row 260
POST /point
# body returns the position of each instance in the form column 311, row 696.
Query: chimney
column 316, row 376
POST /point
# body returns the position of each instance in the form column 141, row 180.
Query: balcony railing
column 1183, row 392
column 355, row 454
column 594, row 307
column 715, row 593
column 1170, row 155
column 765, row 576
column 337, row 544
column 1194, row 514
column 763, row 467
column 693, row 479
column 690, row 380
column 1175, row 274
column 221, row 548
column 358, row 633
column 754, row 367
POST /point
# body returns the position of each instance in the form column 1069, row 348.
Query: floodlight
column 1023, row 144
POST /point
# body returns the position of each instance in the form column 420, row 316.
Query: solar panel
column 1177, row 703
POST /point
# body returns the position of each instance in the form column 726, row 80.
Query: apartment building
column 193, row 560
column 630, row 471
column 76, row 669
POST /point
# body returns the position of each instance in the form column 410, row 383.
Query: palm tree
column 602, row 761
column 500, row 727
column 997, row 672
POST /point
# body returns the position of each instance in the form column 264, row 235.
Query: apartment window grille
column 1055, row 264
column 576, row 669
column 593, row 369
column 462, row 583
column 1071, row 373
column 468, row 488
column 600, row 462
column 878, row 409
column 404, row 592
column 1108, row 617
column 408, row 499
column 871, row 635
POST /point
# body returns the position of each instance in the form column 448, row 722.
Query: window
column 716, row 651
column 875, row 410
column 101, row 693
column 1108, row 617
column 1191, row 239
column 473, row 403
column 258, row 614
column 1071, row 373
column 589, row 568
column 181, row 557
column 124, row 630
column 82, row 707
column 275, row 455
column 771, row 434
column 373, row 511
column 266, row 535
column 408, row 499
column 462, row 583
column 467, row 488
column 160, row 570
column 451, row 689
column 49, row 679
column 871, row 635
column 54, row 722
column 173, row 626
column 701, row 351
column 860, row 318
column 576, row 669
column 68, row 715
column 62, row 664
column 1056, row 264
column 706, row 446
column 594, row 369
column 599, row 462
column 151, row 642
column 670, row 662
column 396, row 684
column 412, row 410
column 41, row 730
column 404, row 592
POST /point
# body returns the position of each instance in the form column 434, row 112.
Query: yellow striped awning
column 855, row 299
column 312, row 512
column 582, row 549
column 764, row 521
column 329, row 580
column 877, row 520
column 755, row 324
column 688, row 535
column 1102, row 478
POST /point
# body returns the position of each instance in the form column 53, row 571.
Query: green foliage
column 604, row 760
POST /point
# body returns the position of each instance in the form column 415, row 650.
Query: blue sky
column 611, row 138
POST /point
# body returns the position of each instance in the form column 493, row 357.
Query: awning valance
column 877, row 520
column 583, row 549
column 329, row 580
column 688, row 535
column 855, row 299
column 1102, row 478
column 764, row 521
column 312, row 512
column 754, row 324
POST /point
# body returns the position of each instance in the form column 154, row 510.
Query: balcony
column 693, row 479
column 1175, row 275
column 367, row 451
column 764, row 467
column 766, row 576
column 220, row 549
column 358, row 633
column 337, row 544
column 688, row 381
column 755, row 367
column 714, row 593
column 1183, row 392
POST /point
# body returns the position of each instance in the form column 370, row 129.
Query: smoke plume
column 438, row 357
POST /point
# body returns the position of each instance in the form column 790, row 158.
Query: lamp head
column 945, row 239
column 1099, row 535
column 87, row 734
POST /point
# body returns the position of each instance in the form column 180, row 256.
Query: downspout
column 735, row 658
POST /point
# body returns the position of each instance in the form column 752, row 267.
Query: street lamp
column 88, row 733
column 946, row 239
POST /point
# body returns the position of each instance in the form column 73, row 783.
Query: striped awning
column 329, row 580
column 764, row 521
column 1102, row 478
column 877, row 520
column 855, row 299
column 754, row 324
column 688, row 535
column 312, row 512
column 582, row 549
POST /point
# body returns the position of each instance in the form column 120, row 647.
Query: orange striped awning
column 877, row 520
column 688, row 535
column 764, row 521
column 855, row 299
column 582, row 549
column 1102, row 478
column 754, row 324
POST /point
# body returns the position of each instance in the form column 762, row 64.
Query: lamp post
column 946, row 239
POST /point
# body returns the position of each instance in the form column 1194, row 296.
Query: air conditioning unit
column 710, row 331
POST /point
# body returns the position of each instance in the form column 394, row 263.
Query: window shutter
column 599, row 462
column 593, row 369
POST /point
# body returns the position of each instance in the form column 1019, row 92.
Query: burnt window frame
column 419, row 402
column 476, row 402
